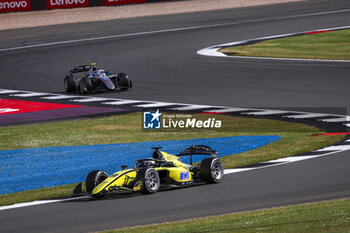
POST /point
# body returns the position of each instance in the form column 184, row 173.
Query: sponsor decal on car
column 153, row 120
column 14, row 5
column 55, row 4
column 120, row 2
column 184, row 175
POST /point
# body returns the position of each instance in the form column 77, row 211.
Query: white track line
column 223, row 110
column 213, row 51
column 282, row 59
column 307, row 115
column 155, row 105
column 191, row 107
column 59, row 97
column 169, row 30
column 30, row 94
column 337, row 148
column 33, row 203
column 340, row 119
column 122, row 102
column 90, row 99
column 291, row 159
column 5, row 91
column 266, row 112
column 236, row 170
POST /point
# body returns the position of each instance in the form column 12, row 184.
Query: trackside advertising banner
column 28, row 5
column 56, row 4
column 14, row 5
column 120, row 2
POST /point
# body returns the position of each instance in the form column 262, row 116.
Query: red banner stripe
column 8, row 106
column 316, row 32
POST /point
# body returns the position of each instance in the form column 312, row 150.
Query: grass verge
column 37, row 194
column 295, row 138
column 327, row 216
column 330, row 45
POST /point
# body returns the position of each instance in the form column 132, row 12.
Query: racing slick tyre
column 93, row 179
column 82, row 87
column 151, row 181
column 124, row 81
column 87, row 83
column 211, row 170
column 69, row 84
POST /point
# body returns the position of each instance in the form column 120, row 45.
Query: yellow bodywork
column 118, row 179
column 176, row 160
column 121, row 179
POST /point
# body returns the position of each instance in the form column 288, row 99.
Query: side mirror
column 124, row 166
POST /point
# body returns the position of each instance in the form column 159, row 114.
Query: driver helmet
column 149, row 162
column 93, row 66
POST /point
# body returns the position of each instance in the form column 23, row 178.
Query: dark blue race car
column 88, row 78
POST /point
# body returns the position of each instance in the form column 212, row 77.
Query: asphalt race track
column 164, row 66
column 312, row 180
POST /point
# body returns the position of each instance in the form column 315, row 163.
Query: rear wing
column 198, row 150
column 81, row 68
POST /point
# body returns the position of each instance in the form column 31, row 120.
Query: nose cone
column 108, row 83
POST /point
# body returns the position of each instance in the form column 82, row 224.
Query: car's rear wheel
column 151, row 181
column 211, row 170
column 69, row 84
column 124, row 81
column 93, row 179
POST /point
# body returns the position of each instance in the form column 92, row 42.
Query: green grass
column 295, row 138
column 328, row 216
column 330, row 45
column 39, row 194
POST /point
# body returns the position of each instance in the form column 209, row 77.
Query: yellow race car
column 163, row 170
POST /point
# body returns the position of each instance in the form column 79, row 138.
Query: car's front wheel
column 87, row 83
column 124, row 81
column 93, row 179
column 82, row 87
column 151, row 181
column 69, row 84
